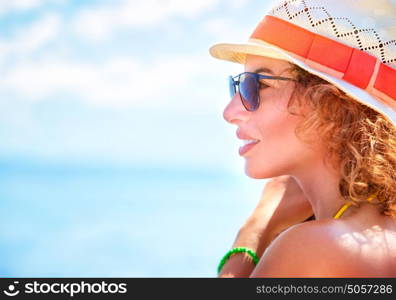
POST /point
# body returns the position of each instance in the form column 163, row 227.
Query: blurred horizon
column 111, row 132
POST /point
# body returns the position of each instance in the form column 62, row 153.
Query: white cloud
column 7, row 5
column 20, row 5
column 235, row 26
column 29, row 39
column 237, row 4
column 119, row 82
column 99, row 22
column 226, row 29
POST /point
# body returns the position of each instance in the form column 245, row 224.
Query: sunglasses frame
column 234, row 86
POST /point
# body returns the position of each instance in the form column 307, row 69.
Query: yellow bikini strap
column 369, row 199
column 341, row 211
column 346, row 205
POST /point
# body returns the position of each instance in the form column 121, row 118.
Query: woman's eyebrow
column 263, row 70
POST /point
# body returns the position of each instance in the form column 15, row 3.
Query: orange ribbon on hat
column 332, row 57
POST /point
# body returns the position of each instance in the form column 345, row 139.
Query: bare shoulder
column 310, row 249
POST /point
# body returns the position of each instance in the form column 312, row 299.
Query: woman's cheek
column 277, row 151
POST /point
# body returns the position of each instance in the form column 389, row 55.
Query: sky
column 88, row 88
column 119, row 82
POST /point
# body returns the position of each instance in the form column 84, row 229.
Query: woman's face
column 278, row 151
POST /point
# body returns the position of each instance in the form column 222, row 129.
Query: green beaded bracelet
column 237, row 250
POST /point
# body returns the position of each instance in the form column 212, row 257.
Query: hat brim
column 237, row 53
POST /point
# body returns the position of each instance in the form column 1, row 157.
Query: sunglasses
column 247, row 84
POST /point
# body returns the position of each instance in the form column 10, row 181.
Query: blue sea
column 63, row 220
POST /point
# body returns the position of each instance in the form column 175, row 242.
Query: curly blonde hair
column 361, row 142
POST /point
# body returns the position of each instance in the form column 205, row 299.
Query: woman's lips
column 249, row 144
column 248, row 141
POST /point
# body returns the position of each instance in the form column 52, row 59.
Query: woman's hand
column 282, row 204
column 283, row 201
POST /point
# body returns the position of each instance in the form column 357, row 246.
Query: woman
column 316, row 109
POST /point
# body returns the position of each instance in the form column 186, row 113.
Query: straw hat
column 349, row 43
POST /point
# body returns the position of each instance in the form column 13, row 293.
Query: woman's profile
column 315, row 109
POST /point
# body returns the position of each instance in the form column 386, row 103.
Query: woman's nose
column 235, row 111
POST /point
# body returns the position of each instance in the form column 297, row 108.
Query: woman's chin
column 255, row 173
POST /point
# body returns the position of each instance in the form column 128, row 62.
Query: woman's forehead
column 263, row 64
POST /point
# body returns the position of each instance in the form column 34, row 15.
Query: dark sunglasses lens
column 232, row 87
column 248, row 89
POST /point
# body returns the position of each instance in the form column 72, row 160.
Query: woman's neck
column 321, row 187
